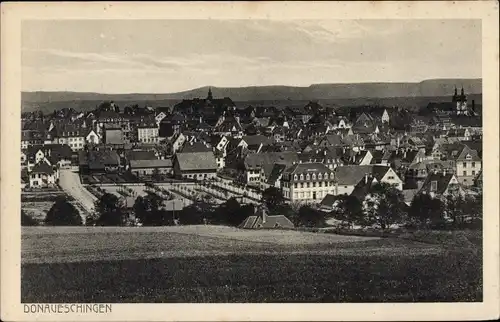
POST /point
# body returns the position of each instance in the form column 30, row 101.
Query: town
column 274, row 167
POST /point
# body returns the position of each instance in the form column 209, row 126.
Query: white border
column 13, row 13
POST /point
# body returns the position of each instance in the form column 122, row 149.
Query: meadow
column 222, row 264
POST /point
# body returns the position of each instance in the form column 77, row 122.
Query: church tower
column 209, row 96
column 460, row 102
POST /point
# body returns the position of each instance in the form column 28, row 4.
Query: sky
column 166, row 56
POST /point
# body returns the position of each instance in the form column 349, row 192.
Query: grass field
column 37, row 210
column 222, row 264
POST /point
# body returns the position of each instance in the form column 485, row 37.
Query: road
column 70, row 182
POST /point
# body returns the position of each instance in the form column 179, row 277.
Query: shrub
column 63, row 213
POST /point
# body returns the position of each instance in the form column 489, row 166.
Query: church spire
column 209, row 96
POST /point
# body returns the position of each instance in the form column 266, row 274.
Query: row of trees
column 382, row 207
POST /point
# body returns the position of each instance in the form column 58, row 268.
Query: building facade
column 307, row 182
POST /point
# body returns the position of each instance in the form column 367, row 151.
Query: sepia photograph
column 225, row 160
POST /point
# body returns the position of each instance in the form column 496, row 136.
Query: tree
column 272, row 197
column 383, row 206
column 190, row 215
column 310, row 217
column 349, row 210
column 63, row 213
column 231, row 213
column 27, row 220
column 455, row 209
column 110, row 211
column 426, row 211
column 149, row 211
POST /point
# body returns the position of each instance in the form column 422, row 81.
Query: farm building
column 148, row 167
column 261, row 220
column 195, row 165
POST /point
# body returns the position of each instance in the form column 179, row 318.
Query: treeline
column 383, row 208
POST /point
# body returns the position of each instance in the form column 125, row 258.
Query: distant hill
column 321, row 92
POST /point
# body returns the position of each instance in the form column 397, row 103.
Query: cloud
column 181, row 54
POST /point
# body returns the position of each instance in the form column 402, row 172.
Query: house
column 330, row 140
column 196, row 147
column 99, row 161
column 254, row 162
column 274, row 177
column 195, row 165
column 42, row 175
column 113, row 134
column 261, row 220
column 229, row 125
column 468, row 165
column 347, row 177
column 328, row 203
column 381, row 157
column 31, row 137
column 307, row 182
column 53, row 154
column 142, row 168
column 148, row 132
column 72, row 135
column 462, row 134
column 358, row 158
column 92, row 137
column 441, row 184
column 220, row 143
column 466, row 161
column 177, row 142
column 159, row 117
column 220, row 159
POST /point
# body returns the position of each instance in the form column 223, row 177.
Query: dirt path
column 70, row 182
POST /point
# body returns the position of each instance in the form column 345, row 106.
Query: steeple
column 209, row 96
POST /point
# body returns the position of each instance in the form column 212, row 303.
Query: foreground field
column 221, row 264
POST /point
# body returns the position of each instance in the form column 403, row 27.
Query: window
column 308, row 177
column 473, row 172
column 314, row 184
column 301, row 177
column 465, row 164
column 295, row 185
column 295, row 195
column 331, row 175
column 302, row 185
column 473, row 164
column 390, row 177
column 314, row 176
column 319, row 176
column 433, row 186
column 465, row 173
column 301, row 195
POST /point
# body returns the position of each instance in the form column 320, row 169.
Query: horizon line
column 249, row 86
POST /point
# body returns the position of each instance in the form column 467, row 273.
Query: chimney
column 201, row 120
column 366, row 178
column 473, row 106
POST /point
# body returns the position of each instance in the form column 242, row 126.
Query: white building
column 42, row 175
column 148, row 133
column 307, row 182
